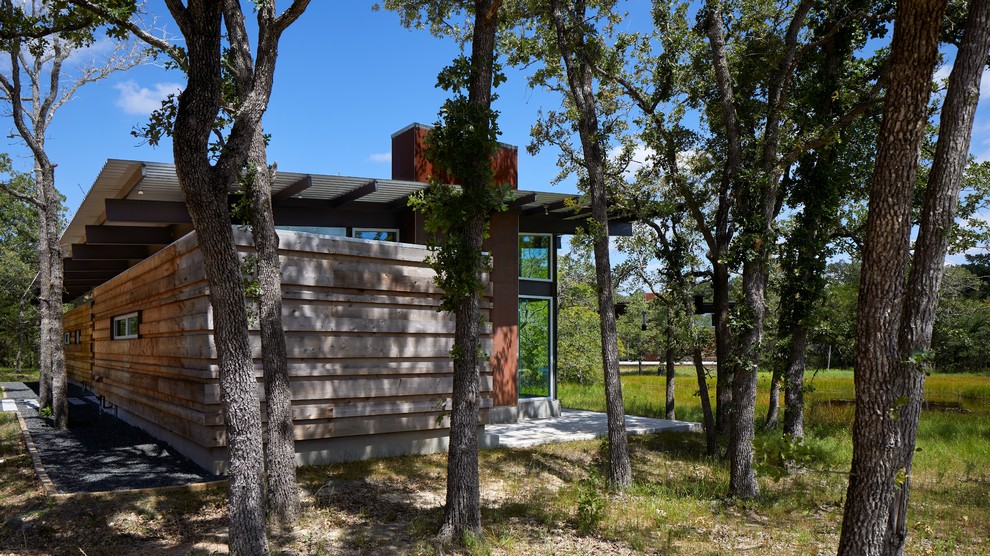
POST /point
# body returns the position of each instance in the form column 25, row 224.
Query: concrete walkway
column 575, row 424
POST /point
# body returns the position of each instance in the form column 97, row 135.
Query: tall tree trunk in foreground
column 462, row 512
column 881, row 375
column 50, row 249
column 941, row 200
column 280, row 451
column 724, row 368
column 205, row 189
column 580, row 78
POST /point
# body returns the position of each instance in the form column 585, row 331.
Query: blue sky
column 347, row 78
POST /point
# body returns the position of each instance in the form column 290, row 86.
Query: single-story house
column 368, row 351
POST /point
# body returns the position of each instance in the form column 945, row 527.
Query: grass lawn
column 549, row 499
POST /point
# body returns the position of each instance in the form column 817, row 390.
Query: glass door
column 535, row 347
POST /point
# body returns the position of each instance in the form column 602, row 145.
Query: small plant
column 46, row 412
column 591, row 506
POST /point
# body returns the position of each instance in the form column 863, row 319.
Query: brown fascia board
column 71, row 265
column 129, row 235
column 158, row 212
column 291, row 190
column 354, row 194
column 109, row 252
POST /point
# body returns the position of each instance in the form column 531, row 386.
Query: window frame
column 552, row 370
column 67, row 337
column 132, row 335
column 78, row 336
column 550, row 250
column 356, row 231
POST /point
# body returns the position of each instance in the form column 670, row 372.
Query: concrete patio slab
column 575, row 424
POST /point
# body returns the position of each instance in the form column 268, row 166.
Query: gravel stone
column 99, row 452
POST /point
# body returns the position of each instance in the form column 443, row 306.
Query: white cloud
column 382, row 158
column 135, row 99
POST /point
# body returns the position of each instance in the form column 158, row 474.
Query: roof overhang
column 136, row 208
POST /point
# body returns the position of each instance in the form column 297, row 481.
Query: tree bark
column 794, row 383
column 927, row 268
column 724, row 369
column 205, row 190
column 51, row 250
column 462, row 511
column 773, row 408
column 711, row 437
column 877, row 445
column 280, row 452
column 669, row 361
column 580, row 79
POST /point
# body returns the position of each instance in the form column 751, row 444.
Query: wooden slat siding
column 79, row 357
column 368, row 349
column 162, row 376
column 365, row 336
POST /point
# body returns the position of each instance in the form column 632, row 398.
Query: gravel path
column 100, row 452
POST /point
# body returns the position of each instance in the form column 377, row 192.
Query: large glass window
column 125, row 327
column 534, row 256
column 535, row 356
column 376, row 234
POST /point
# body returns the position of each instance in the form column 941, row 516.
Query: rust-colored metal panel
column 409, row 159
column 503, row 246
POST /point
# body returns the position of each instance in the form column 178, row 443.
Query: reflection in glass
column 534, row 348
column 534, row 256
column 378, row 235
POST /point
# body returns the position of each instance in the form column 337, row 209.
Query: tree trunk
column 580, row 78
column 669, row 408
column 53, row 383
column 794, row 383
column 47, row 342
column 205, row 190
column 711, row 438
column 773, row 407
column 280, row 452
column 742, row 477
column 723, row 348
column 877, row 445
column 927, row 268
column 462, row 511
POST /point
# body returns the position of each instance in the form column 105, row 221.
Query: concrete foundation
column 525, row 410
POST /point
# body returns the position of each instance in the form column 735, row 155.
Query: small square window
column 376, row 234
column 67, row 338
column 125, row 327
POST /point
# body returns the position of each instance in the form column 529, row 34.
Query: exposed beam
column 581, row 214
column 547, row 208
column 166, row 212
column 352, row 215
column 136, row 177
column 522, row 200
column 70, row 265
column 129, row 235
column 291, row 190
column 73, row 275
column 354, row 194
column 399, row 204
column 554, row 224
column 80, row 283
column 109, row 252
